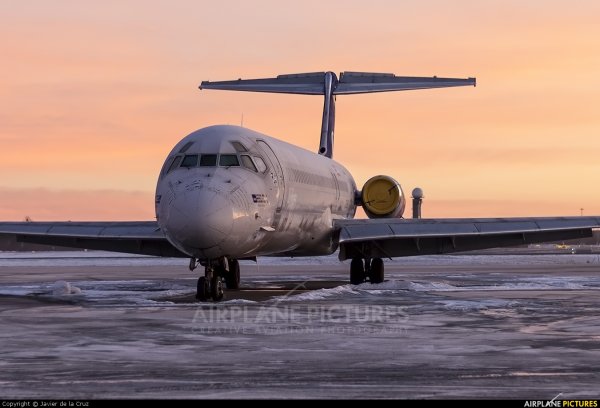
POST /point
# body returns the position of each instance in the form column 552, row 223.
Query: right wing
column 392, row 237
column 133, row 237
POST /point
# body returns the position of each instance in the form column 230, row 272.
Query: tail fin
column 327, row 84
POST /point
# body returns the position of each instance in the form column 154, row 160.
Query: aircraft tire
column 203, row 289
column 377, row 270
column 357, row 271
column 216, row 288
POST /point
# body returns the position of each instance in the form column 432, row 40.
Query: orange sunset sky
column 93, row 95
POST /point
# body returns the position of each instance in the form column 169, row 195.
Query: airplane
column 228, row 193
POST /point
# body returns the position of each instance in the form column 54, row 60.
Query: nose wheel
column 210, row 286
column 216, row 288
column 203, row 289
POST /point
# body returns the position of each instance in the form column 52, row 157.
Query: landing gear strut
column 361, row 269
column 210, row 286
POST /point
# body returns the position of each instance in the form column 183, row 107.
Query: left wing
column 137, row 237
column 391, row 237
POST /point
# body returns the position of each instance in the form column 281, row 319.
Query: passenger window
column 247, row 162
column 260, row 164
column 175, row 164
column 227, row 160
column 208, row 160
column 190, row 160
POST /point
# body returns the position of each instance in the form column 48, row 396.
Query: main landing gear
column 361, row 269
column 210, row 286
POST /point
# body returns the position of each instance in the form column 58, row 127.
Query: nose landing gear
column 210, row 286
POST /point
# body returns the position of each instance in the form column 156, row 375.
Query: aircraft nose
column 200, row 219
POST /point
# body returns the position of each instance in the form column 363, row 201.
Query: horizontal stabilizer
column 313, row 83
column 305, row 84
column 364, row 82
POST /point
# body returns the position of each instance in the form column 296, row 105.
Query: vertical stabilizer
column 328, row 123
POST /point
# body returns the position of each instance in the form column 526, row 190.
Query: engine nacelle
column 382, row 197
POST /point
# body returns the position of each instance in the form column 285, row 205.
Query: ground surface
column 488, row 326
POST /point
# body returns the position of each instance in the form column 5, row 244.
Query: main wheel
column 377, row 273
column 216, row 288
column 203, row 289
column 357, row 271
column 232, row 278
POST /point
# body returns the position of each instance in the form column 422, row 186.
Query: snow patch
column 63, row 288
column 432, row 286
column 319, row 294
column 384, row 286
column 470, row 305
column 238, row 302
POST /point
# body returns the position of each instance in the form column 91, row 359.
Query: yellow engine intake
column 382, row 197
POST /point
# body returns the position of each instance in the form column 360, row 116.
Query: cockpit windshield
column 247, row 162
column 240, row 159
column 208, row 160
column 227, row 160
column 190, row 160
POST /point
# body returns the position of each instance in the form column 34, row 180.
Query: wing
column 388, row 238
column 139, row 237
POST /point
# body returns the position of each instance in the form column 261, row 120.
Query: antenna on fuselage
column 328, row 85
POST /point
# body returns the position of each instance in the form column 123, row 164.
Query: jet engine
column 382, row 197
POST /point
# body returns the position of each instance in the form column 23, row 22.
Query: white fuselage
column 227, row 191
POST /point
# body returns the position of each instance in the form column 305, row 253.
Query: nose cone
column 199, row 220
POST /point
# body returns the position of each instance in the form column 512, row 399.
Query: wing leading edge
column 388, row 238
column 137, row 237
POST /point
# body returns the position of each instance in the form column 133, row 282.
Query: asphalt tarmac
column 490, row 326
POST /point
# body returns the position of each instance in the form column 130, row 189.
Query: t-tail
column 329, row 85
